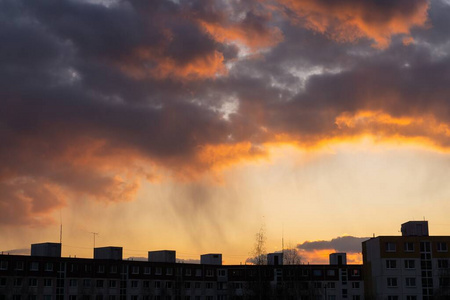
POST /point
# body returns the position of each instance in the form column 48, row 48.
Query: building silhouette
column 413, row 266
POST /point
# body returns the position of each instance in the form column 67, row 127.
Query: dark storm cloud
column 348, row 244
column 94, row 98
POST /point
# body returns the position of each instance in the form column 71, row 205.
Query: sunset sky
column 190, row 124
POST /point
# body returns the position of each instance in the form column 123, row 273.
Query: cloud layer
column 98, row 97
column 349, row 244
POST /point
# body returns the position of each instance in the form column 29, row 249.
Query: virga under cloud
column 96, row 98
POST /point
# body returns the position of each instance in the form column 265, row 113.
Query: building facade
column 108, row 278
column 413, row 266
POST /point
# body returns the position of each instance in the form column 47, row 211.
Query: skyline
column 189, row 124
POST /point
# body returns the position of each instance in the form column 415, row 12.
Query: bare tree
column 259, row 254
column 291, row 256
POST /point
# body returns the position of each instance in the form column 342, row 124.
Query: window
column 47, row 297
column 317, row 285
column 17, row 297
column 17, row 281
column 209, row 273
column 187, row 285
column 409, row 246
column 99, row 297
column 356, row 272
column 99, row 283
column 73, row 282
column 32, row 282
column 101, row 269
column 197, row 285
column 134, row 283
column 48, row 282
column 146, row 284
column 344, row 293
column 410, row 282
column 221, row 273
column 444, row 282
column 331, row 297
column 169, row 271
column 391, row 264
column 86, row 282
column 317, row 272
column 2, row 281
column 355, row 285
column 392, row 282
column 331, row 285
column 158, row 271
column 410, row 264
column 73, row 268
column 209, row 285
column 147, row 270
column 442, row 264
column 48, row 266
column 169, row 284
column 135, row 270
column 392, row 297
column 72, row 297
column 391, row 247
column 112, row 283
column 188, row 272
column 331, row 272
column 442, row 247
column 32, row 297
column 19, row 265
column 113, row 269
column 198, row 272
column 411, row 297
column 157, row 284
column 425, row 247
column 3, row 265
column 34, row 266
column 112, row 297
column 134, row 297
column 356, row 297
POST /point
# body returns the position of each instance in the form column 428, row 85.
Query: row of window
column 410, row 297
column 116, row 297
column 411, row 264
column 412, row 282
column 34, row 266
column 424, row 247
column 100, row 283
column 48, row 266
column 332, row 285
column 33, row 282
column 344, row 295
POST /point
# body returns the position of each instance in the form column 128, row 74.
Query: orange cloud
column 154, row 64
column 322, row 256
column 217, row 156
column 350, row 20
column 254, row 38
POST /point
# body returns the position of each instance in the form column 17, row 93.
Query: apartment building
column 45, row 275
column 413, row 266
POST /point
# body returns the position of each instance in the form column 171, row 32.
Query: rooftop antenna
column 60, row 227
column 94, row 234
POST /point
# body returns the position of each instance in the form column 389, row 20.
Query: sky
column 192, row 124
